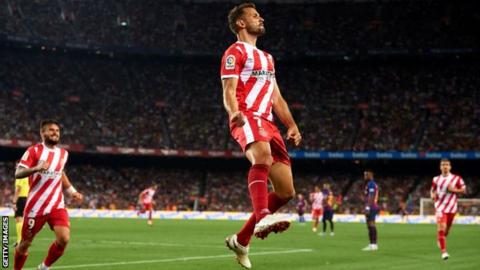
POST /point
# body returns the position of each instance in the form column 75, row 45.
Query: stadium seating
column 113, row 187
column 357, row 107
column 173, row 25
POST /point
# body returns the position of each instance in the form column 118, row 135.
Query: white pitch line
column 180, row 259
column 137, row 243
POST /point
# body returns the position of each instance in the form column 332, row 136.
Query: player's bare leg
column 57, row 248
column 314, row 224
column 441, row 239
column 21, row 253
column 372, row 235
column 150, row 220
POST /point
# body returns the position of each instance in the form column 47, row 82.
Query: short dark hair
column 47, row 122
column 235, row 13
column 369, row 170
column 445, row 160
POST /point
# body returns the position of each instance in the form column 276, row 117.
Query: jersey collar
column 247, row 44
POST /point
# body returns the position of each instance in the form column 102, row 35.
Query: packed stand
column 118, row 187
column 174, row 25
column 359, row 107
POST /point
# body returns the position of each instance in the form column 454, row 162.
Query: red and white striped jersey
column 446, row 201
column 45, row 192
column 317, row 200
column 147, row 195
column 255, row 71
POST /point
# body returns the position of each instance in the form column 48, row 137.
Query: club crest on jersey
column 230, row 62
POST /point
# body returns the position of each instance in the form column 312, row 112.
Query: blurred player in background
column 301, row 205
column 44, row 164
column 250, row 92
column 18, row 202
column 316, row 198
column 405, row 208
column 445, row 190
column 145, row 199
column 371, row 209
column 327, row 209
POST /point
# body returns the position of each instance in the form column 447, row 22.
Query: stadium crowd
column 118, row 187
column 176, row 25
column 356, row 106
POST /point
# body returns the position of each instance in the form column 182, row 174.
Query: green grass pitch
column 123, row 244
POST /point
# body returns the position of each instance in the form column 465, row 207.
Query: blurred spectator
column 113, row 187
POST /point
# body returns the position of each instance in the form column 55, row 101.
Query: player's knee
column 291, row 194
column 63, row 240
column 264, row 158
column 286, row 195
column 24, row 245
column 259, row 153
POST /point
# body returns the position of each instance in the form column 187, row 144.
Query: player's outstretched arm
column 230, row 101
column 22, row 172
column 280, row 107
column 70, row 189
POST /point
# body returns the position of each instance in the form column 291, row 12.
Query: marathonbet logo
column 260, row 72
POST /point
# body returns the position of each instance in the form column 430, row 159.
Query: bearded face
column 51, row 134
column 256, row 29
column 253, row 22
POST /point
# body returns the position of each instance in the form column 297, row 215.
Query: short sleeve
column 460, row 183
column 65, row 159
column 28, row 159
column 273, row 64
column 434, row 184
column 232, row 63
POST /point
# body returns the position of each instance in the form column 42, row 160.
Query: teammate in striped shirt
column 146, row 200
column 445, row 190
column 316, row 198
column 371, row 209
column 250, row 93
column 44, row 165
